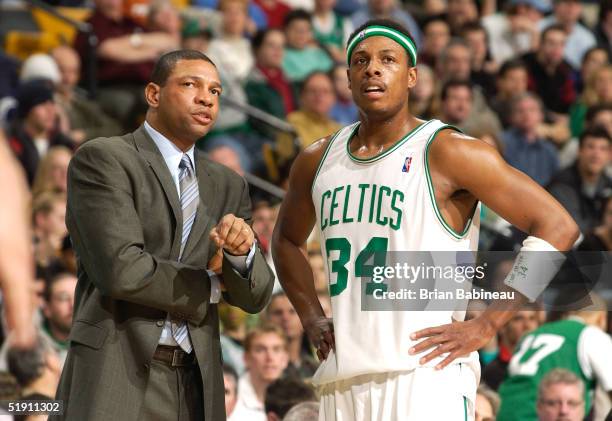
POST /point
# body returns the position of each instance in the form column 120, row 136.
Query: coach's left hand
column 233, row 234
column 457, row 339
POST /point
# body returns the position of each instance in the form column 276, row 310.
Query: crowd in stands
column 532, row 78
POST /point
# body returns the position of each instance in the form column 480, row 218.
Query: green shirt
column 297, row 64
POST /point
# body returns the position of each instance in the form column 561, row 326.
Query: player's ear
column 348, row 77
column 412, row 77
column 152, row 91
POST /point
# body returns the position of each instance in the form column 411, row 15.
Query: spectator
column 265, row 355
column 58, row 310
column 52, row 172
column 455, row 63
column 600, row 238
column 283, row 394
column 550, row 76
column 37, row 371
column 456, row 102
column 267, row 87
column 515, row 31
column 302, row 55
column 578, row 343
column 34, row 130
column 593, row 59
column 598, row 90
column 230, row 382
column 600, row 116
column 40, row 66
column 422, row 96
column 482, row 68
column 305, row 411
column 344, row 110
column 257, row 19
column 560, row 397
column 523, row 322
column 330, row 29
column 164, row 17
column 227, row 156
column 280, row 312
column 583, row 187
column 387, row 9
column 524, row 148
column 233, row 320
column 193, row 37
column 436, row 35
column 579, row 38
column 125, row 59
column 603, row 29
column 511, row 82
column 487, row 404
column 85, row 119
column 459, row 13
column 49, row 227
column 275, row 11
column 311, row 121
column 231, row 50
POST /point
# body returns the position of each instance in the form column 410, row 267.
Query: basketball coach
column 146, row 214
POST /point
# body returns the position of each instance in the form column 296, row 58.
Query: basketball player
column 358, row 189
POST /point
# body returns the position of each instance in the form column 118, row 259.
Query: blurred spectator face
column 270, row 54
column 264, row 219
column 593, row 61
column 267, row 357
column 594, row 155
column 461, row 12
column 231, row 396
column 552, row 47
column 477, row 39
column 381, row 7
column 458, row 104
column 228, row 157
column 603, row 119
column 318, row 96
column 282, row 314
column 324, row 5
column 299, row 34
column 425, row 87
column 59, row 307
column 435, row 37
column 58, row 169
column 561, row 402
column 112, row 9
column 234, row 18
column 527, row 115
column 69, row 65
column 567, row 12
column 165, row 18
column 523, row 322
column 484, row 410
column 513, row 82
column 458, row 63
column 341, row 83
column 42, row 118
column 603, row 84
column 52, row 223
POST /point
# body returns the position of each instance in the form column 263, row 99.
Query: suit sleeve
column 250, row 293
column 109, row 241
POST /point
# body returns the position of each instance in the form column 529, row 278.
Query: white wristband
column 535, row 266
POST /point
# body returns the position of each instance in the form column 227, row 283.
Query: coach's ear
column 152, row 94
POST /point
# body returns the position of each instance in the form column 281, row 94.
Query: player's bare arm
column 295, row 222
column 465, row 170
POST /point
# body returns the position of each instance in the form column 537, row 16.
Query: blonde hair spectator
column 52, row 171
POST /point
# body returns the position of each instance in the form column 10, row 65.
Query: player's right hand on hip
column 320, row 331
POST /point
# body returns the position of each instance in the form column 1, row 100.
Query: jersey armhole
column 432, row 195
column 320, row 165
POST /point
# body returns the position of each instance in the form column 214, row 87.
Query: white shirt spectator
column 503, row 43
column 578, row 41
column 248, row 407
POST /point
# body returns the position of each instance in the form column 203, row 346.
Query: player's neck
column 382, row 132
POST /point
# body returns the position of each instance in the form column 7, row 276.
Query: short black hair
column 435, row 18
column 389, row 24
column 471, row 27
column 284, row 393
column 510, row 65
column 596, row 132
column 52, row 281
column 454, row 83
column 591, row 50
column 165, row 64
column 596, row 109
column 297, row 14
column 260, row 36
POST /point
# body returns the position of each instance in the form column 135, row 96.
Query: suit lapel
column 148, row 149
column 207, row 192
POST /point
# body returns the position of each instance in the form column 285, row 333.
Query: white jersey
column 385, row 202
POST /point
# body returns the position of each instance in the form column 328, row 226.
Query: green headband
column 383, row 31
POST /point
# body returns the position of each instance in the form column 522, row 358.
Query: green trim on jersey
column 323, row 159
column 430, row 188
column 383, row 154
column 465, row 414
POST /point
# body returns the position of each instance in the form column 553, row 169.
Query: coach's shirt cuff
column 242, row 264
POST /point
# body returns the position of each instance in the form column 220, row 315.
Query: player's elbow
column 563, row 231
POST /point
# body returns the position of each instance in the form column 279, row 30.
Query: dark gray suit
column 125, row 222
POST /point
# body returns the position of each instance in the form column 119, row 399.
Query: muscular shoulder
column 458, row 152
column 307, row 162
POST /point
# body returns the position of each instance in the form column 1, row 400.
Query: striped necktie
column 188, row 184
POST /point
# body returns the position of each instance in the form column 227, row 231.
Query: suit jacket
column 125, row 221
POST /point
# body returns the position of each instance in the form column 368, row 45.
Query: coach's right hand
column 320, row 331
